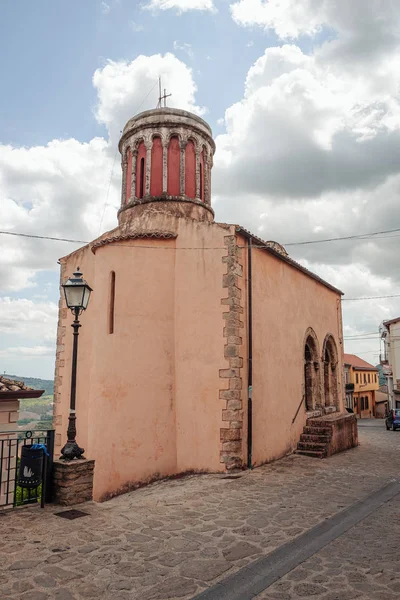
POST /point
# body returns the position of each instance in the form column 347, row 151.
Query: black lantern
column 77, row 294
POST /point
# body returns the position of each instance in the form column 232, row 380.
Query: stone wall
column 73, row 481
column 231, row 434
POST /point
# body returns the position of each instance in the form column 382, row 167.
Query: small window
column 141, row 190
column 366, row 403
column 356, row 377
column 365, row 378
column 369, row 377
column 375, row 377
column 362, row 402
column 111, row 303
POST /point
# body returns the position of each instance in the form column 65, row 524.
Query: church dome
column 167, row 157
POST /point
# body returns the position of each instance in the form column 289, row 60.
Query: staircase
column 314, row 441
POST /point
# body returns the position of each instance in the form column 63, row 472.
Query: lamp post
column 77, row 294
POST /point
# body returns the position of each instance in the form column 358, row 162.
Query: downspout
column 250, row 354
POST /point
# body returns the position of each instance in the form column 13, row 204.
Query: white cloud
column 124, row 88
column 60, row 189
column 187, row 48
column 27, row 352
column 105, row 8
column 181, row 5
column 28, row 319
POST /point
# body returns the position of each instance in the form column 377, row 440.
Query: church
column 204, row 348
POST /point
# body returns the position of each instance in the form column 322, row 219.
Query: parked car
column 393, row 419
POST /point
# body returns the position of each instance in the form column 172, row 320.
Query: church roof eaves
column 271, row 248
column 162, row 235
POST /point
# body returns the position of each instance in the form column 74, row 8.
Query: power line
column 360, row 236
column 369, row 298
column 348, row 237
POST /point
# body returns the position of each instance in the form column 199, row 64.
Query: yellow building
column 364, row 380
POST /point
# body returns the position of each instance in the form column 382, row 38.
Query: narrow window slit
column 111, row 303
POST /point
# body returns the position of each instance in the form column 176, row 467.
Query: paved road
column 173, row 540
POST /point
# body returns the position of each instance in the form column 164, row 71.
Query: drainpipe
column 250, row 352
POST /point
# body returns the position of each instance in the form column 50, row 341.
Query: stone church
column 204, row 348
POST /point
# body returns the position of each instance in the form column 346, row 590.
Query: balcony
column 349, row 387
column 383, row 359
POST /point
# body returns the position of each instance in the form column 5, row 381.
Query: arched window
column 141, row 171
column 190, row 170
column 311, row 366
column 202, row 176
column 128, row 175
column 330, row 358
column 156, row 178
column 174, row 167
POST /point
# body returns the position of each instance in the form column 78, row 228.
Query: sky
column 303, row 99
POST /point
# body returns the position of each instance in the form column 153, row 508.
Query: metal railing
column 11, row 444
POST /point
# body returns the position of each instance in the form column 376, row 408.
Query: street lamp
column 77, row 294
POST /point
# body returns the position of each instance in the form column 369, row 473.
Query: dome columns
column 166, row 156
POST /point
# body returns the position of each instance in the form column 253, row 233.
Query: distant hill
column 37, row 384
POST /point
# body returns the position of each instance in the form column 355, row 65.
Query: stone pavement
column 174, row 539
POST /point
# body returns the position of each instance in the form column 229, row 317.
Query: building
column 203, row 348
column 390, row 359
column 349, row 388
column 381, row 402
column 363, row 379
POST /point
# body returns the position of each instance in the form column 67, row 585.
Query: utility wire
column 361, row 236
column 369, row 298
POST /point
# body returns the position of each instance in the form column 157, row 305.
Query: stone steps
column 311, row 445
column 312, row 453
column 317, row 430
column 314, row 441
column 314, row 437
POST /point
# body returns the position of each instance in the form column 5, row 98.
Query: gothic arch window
column 330, row 361
column 311, row 371
column 190, row 170
column 156, row 177
column 141, row 171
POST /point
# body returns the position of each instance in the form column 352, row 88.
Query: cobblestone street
column 176, row 538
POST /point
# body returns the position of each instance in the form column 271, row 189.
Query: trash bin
column 30, row 467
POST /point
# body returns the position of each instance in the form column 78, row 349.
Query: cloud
column 187, row 48
column 27, row 352
column 181, row 5
column 61, row 189
column 105, row 8
column 125, row 88
column 28, row 319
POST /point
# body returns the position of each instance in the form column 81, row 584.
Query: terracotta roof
column 358, row 363
column 10, row 388
column 279, row 251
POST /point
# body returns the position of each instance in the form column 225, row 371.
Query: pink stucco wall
column 147, row 395
column 285, row 303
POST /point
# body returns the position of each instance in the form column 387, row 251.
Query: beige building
column 203, row 348
column 363, row 380
column 390, row 359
